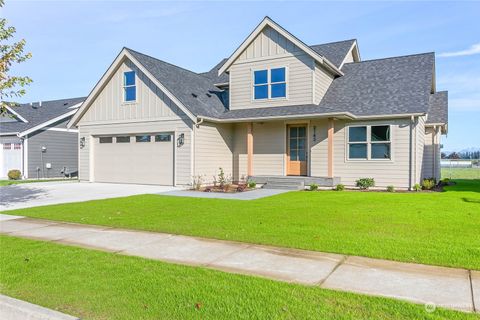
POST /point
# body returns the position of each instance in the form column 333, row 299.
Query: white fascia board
column 8, row 133
column 354, row 46
column 272, row 24
column 108, row 74
column 16, row 114
column 76, row 106
column 47, row 123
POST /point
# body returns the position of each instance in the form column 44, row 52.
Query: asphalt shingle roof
column 195, row 92
column 438, row 108
column 36, row 115
column 335, row 52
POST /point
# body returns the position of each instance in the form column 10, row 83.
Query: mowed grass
column 438, row 228
column 97, row 285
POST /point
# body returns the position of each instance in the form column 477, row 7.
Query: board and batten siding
column 152, row 112
column 431, row 154
column 271, row 50
column 152, row 104
column 213, row 149
column 61, row 151
column 385, row 172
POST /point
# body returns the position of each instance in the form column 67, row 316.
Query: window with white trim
column 369, row 142
column 129, row 87
column 269, row 83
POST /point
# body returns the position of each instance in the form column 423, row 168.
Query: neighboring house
column 275, row 107
column 35, row 140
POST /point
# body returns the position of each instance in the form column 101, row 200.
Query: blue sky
column 73, row 43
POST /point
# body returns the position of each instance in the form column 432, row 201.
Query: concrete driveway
column 45, row 193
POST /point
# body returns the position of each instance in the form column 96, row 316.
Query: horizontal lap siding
column 319, row 148
column 213, row 150
column 61, row 151
column 323, row 80
column 385, row 173
column 268, row 149
column 239, row 150
column 432, row 147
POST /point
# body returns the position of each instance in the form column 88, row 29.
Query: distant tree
column 10, row 53
column 443, row 155
column 454, row 155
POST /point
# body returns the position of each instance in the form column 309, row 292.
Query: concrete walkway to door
column 450, row 288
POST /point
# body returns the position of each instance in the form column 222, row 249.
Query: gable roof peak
column 267, row 21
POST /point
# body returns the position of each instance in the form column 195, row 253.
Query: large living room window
column 369, row 143
column 269, row 84
column 129, row 87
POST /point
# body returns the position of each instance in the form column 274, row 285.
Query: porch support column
column 330, row 147
column 250, row 149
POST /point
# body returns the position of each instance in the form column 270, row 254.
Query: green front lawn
column 461, row 173
column 11, row 182
column 97, row 285
column 438, row 228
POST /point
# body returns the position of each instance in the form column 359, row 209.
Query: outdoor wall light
column 82, row 142
column 180, row 140
column 314, row 133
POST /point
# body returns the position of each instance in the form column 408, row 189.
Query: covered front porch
column 286, row 153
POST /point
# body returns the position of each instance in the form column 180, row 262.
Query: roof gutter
column 346, row 115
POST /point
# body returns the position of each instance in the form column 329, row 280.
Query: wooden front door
column 297, row 150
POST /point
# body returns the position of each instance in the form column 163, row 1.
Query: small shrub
column 313, row 187
column 340, row 187
column 365, row 183
column 417, row 187
column 428, row 184
column 252, row 184
column 14, row 174
column 390, row 188
column 197, row 182
column 222, row 180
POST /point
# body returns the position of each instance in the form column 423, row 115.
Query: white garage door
column 10, row 157
column 142, row 159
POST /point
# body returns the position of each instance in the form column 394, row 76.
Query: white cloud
column 474, row 49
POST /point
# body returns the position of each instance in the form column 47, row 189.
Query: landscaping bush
column 197, row 182
column 252, row 184
column 417, row 187
column 390, row 188
column 340, row 187
column 365, row 183
column 313, row 187
column 14, row 174
column 428, row 184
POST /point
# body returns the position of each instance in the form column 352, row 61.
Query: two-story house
column 276, row 107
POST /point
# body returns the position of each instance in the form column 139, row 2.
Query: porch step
column 282, row 186
column 294, row 182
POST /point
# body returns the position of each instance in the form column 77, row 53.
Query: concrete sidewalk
column 450, row 288
column 14, row 309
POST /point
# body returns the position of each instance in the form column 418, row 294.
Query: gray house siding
column 61, row 151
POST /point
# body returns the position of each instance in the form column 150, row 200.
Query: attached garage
column 140, row 158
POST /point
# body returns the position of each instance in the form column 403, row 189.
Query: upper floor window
column 269, row 84
column 369, row 142
column 129, row 87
